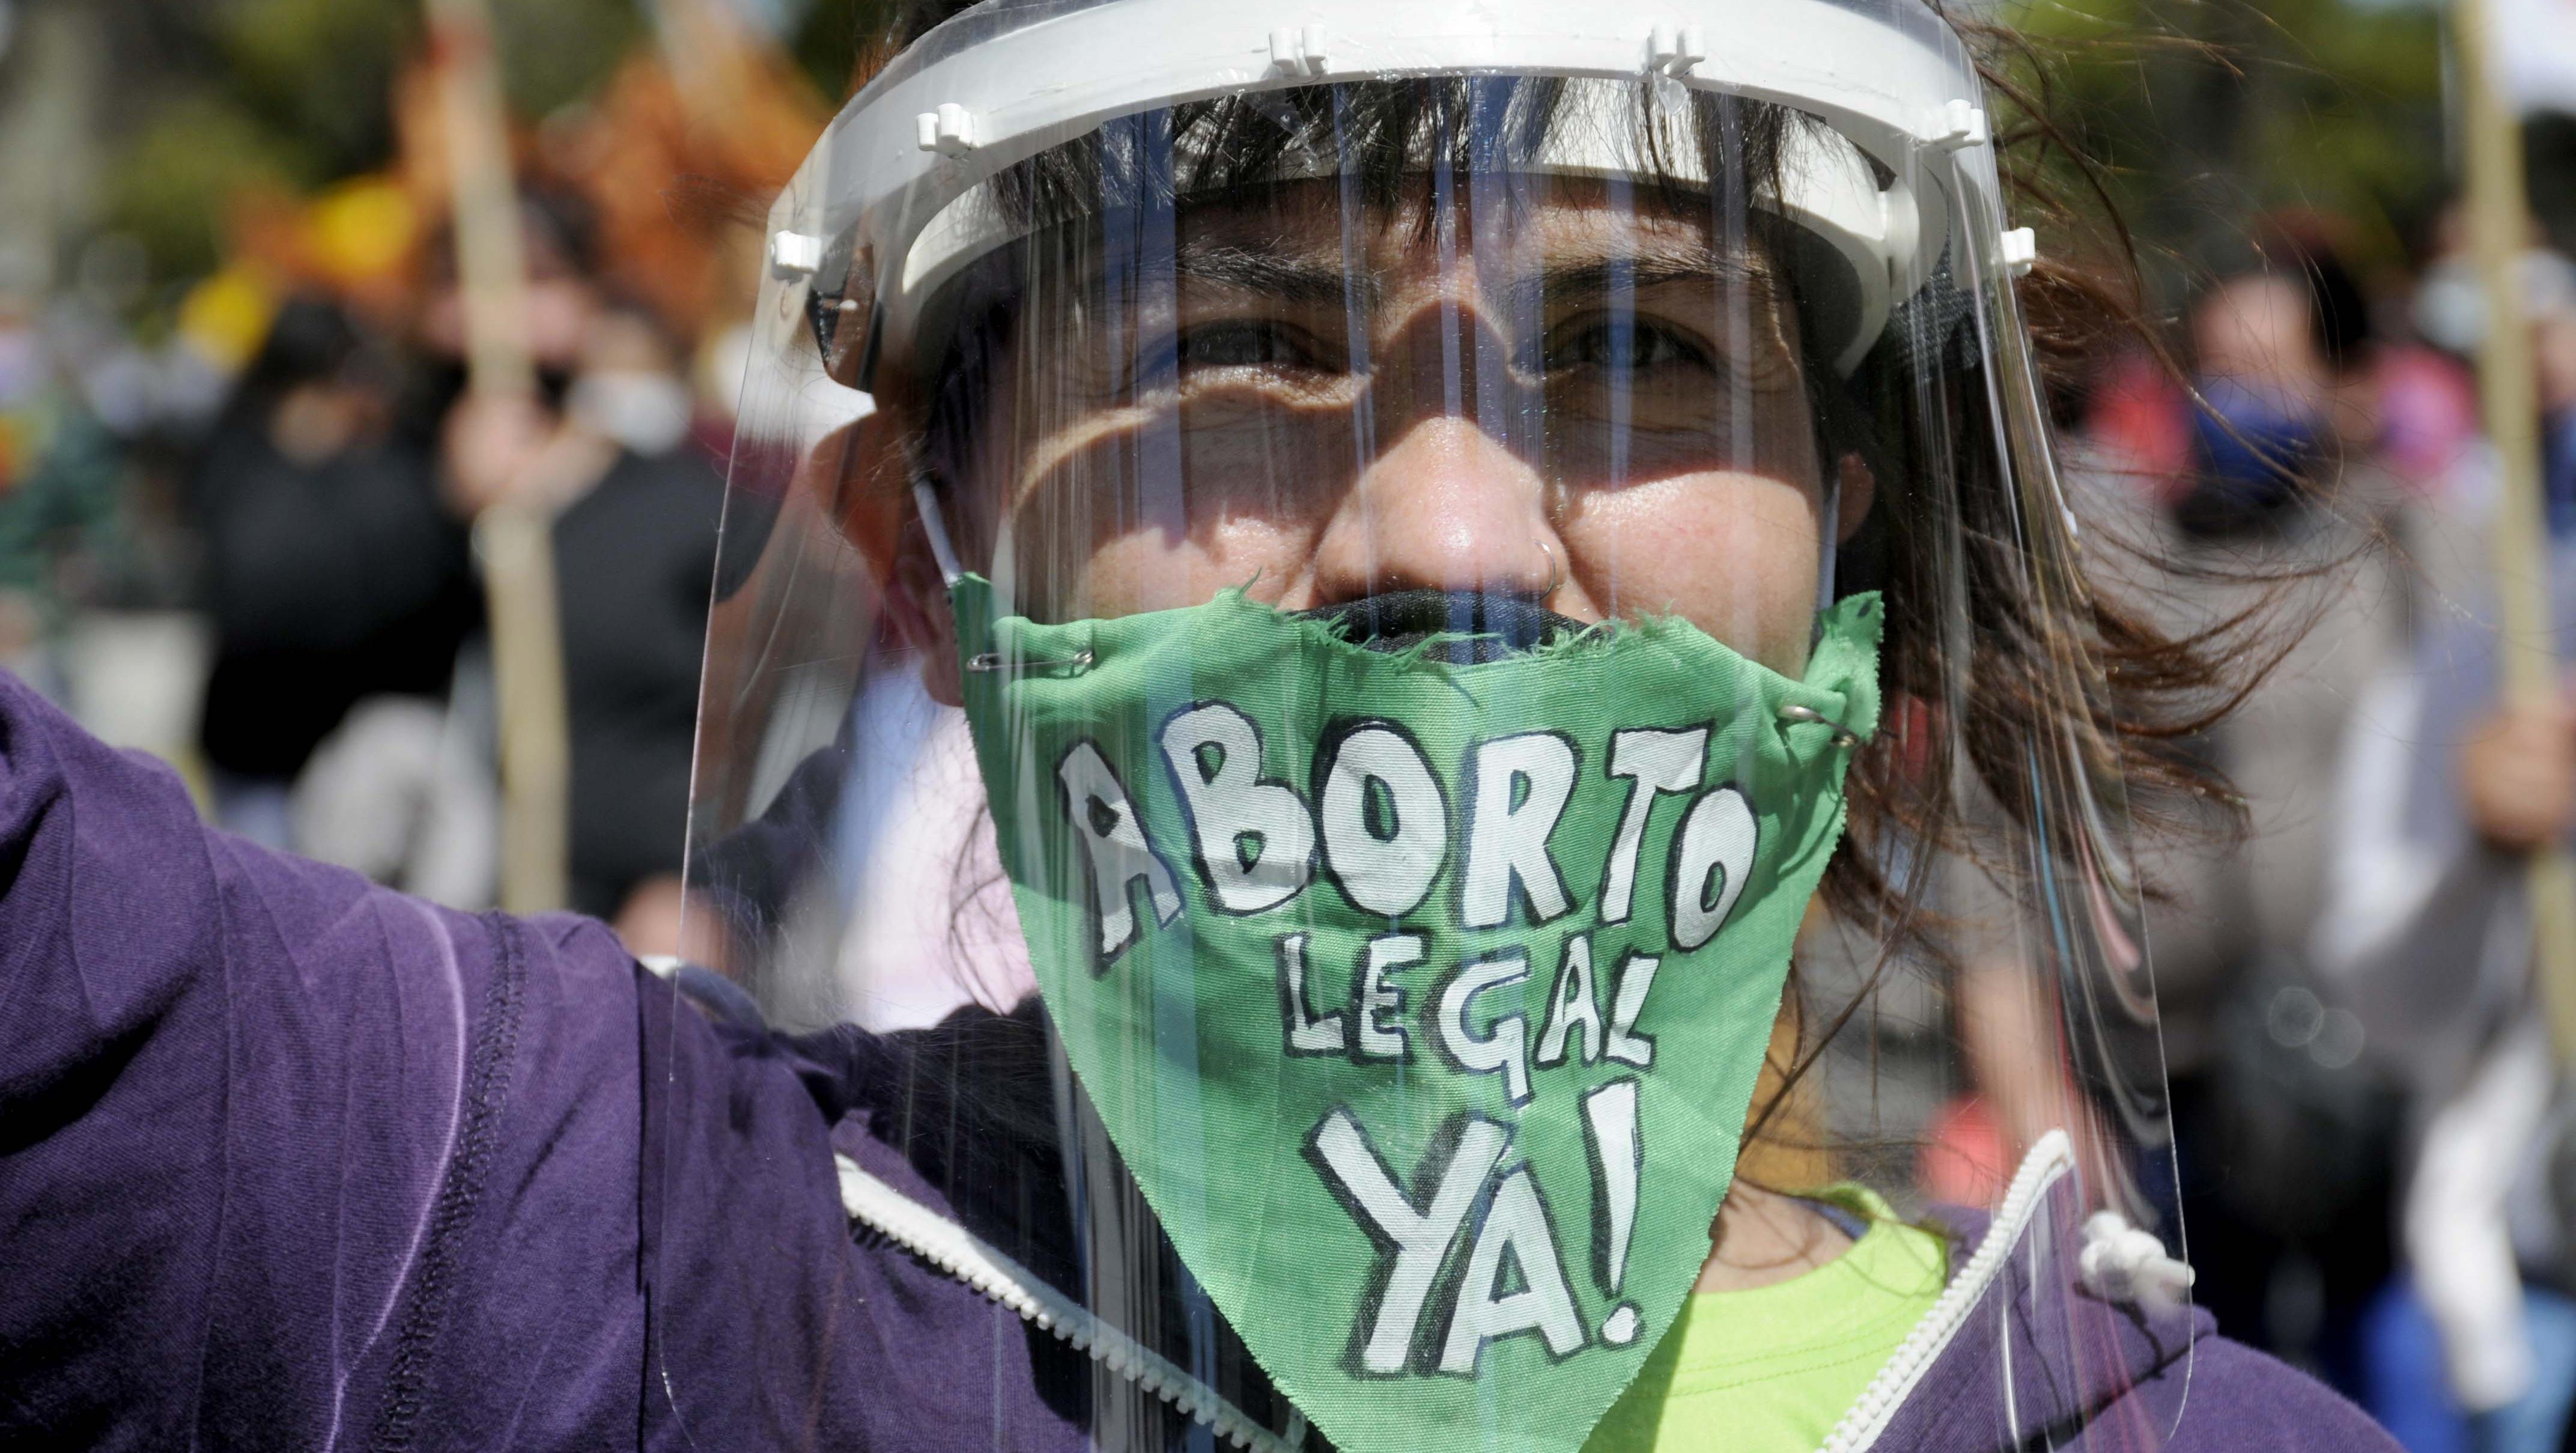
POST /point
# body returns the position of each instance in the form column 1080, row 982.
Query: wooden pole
column 512, row 538
column 2499, row 219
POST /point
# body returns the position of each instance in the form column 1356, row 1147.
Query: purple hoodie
column 291, row 1161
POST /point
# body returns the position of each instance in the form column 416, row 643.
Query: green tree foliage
column 2208, row 113
column 834, row 35
column 297, row 93
column 312, row 75
column 171, row 183
column 554, row 52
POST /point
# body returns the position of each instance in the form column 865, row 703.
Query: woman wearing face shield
column 1261, row 798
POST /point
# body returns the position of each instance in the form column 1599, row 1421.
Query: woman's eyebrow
column 1595, row 279
column 1322, row 282
column 1300, row 281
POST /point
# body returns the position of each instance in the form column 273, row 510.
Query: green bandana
column 1425, row 1001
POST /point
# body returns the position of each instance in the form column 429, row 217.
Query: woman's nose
column 1448, row 507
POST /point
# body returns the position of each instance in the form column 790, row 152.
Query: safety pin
column 1844, row 737
column 993, row 661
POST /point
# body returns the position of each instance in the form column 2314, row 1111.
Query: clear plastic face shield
column 1374, row 657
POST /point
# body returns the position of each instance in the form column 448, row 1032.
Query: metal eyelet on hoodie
column 1844, row 737
column 1078, row 662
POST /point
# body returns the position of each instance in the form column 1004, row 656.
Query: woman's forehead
column 1308, row 242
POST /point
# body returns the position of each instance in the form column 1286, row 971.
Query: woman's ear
column 1858, row 491
column 862, row 479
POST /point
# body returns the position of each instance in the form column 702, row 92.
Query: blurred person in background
column 2443, row 795
column 334, row 570
column 2554, row 338
column 2430, row 399
column 405, row 789
column 636, row 504
column 633, row 556
column 2274, row 473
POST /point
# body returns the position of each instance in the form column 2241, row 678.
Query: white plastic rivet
column 1962, row 124
column 949, row 131
column 2020, row 251
column 795, row 254
column 1298, row 53
column 1675, row 52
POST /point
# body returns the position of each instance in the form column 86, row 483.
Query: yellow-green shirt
column 1773, row 1369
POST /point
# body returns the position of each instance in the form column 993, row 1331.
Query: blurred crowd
column 325, row 497
column 238, row 531
column 247, row 545
column 2369, row 1159
column 2371, row 1167
column 348, row 708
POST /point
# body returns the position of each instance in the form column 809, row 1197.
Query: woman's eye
column 1238, row 345
column 1631, row 346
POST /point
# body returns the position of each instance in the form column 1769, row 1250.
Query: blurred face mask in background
column 2255, row 451
column 643, row 413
